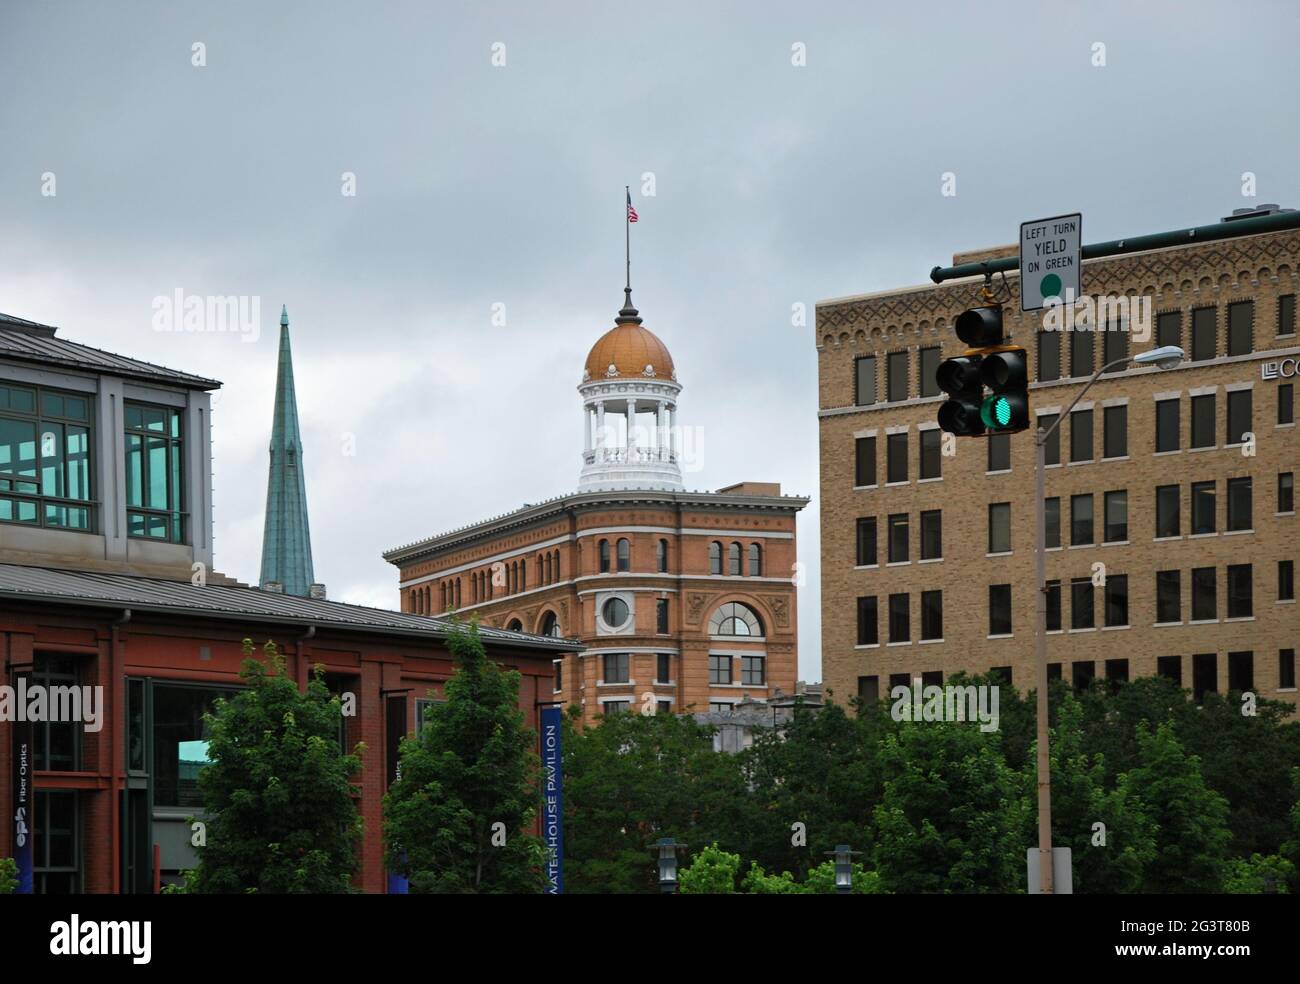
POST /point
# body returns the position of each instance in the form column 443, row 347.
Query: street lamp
column 843, row 856
column 667, row 863
column 1164, row 357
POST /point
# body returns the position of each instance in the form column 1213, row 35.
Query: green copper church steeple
column 286, row 538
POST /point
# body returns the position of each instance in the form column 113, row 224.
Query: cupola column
column 600, row 430
column 586, row 431
column 631, row 432
column 661, row 415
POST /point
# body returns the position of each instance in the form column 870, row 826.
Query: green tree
column 1258, row 876
column 1109, row 860
column 1192, row 839
column 633, row 778
column 458, row 820
column 712, row 871
column 277, row 788
column 821, row 880
column 8, row 875
column 952, row 816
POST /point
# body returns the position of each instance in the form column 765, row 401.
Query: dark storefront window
column 180, row 747
column 57, row 744
column 56, row 843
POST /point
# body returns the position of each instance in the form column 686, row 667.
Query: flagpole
column 627, row 232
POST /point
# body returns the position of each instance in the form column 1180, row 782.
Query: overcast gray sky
column 479, row 184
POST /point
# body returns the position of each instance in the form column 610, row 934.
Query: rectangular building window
column 866, row 555
column 1052, row 522
column 1169, row 596
column 1239, row 417
column 1286, row 669
column 999, row 452
column 1241, row 595
column 611, row 707
column 1081, row 435
column 1205, row 330
column 1116, row 673
column 557, row 685
column 661, row 616
column 864, row 462
column 617, row 667
column 900, row 618
column 1082, row 615
column 1052, row 446
column 1083, row 672
column 1241, row 328
column 1171, row 668
column 869, row 690
column 1053, row 606
column 896, row 454
column 719, row 669
column 1205, row 675
column 931, row 458
column 929, row 366
column 1116, row 599
column 1286, row 314
column 56, row 745
column 1081, row 520
column 896, row 365
column 1286, row 492
column 154, row 473
column 1203, row 421
column 864, row 380
column 1286, row 404
column 931, row 614
column 46, row 468
column 752, row 671
column 898, row 539
column 1114, row 344
column 1082, row 356
column 868, row 632
column 1114, row 441
column 1168, row 522
column 1239, row 504
column 57, row 843
column 1203, row 508
column 1168, row 436
column 663, row 668
column 1205, row 603
column 1049, row 356
column 999, row 527
column 1241, row 672
column 932, row 534
column 1169, row 329
column 899, row 680
column 999, row 609
column 1116, row 516
column 1286, row 580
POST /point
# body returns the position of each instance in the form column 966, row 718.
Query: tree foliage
column 277, row 790
column 459, row 819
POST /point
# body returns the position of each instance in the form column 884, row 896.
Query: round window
column 614, row 612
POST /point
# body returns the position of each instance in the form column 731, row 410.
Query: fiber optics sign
column 1049, row 260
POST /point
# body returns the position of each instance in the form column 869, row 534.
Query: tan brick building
column 927, row 559
column 683, row 600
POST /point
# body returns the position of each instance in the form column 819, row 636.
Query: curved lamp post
column 1164, row 357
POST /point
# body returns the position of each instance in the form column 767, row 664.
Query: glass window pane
column 1241, row 327
column 865, row 380
column 1049, row 356
column 929, row 366
column 1081, row 435
column 1204, row 333
column 1167, row 425
column 897, row 365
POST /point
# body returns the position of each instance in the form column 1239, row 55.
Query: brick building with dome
column 683, row 601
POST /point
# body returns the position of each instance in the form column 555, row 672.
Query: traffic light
column 987, row 363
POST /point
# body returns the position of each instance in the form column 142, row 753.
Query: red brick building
column 104, row 531
column 683, row 600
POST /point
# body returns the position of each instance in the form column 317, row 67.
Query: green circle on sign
column 1050, row 286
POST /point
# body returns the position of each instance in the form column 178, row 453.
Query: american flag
column 631, row 212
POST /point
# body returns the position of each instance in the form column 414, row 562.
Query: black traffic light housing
column 988, row 362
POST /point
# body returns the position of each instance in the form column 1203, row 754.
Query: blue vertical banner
column 553, row 799
column 395, row 726
column 24, row 772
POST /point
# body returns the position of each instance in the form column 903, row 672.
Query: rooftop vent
column 274, row 587
column 1254, row 213
column 316, row 591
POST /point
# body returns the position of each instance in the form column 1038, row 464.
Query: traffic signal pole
column 1040, row 657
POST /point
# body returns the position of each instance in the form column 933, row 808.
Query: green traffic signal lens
column 996, row 411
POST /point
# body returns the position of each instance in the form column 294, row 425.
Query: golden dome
column 628, row 349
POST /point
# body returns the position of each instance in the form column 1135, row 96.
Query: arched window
column 545, row 564
column 457, row 592
column 604, row 556
column 755, row 560
column 733, row 560
column 624, row 554
column 557, row 565
column 550, row 625
column 523, row 575
column 735, row 619
column 661, row 556
column 515, row 626
column 715, row 557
